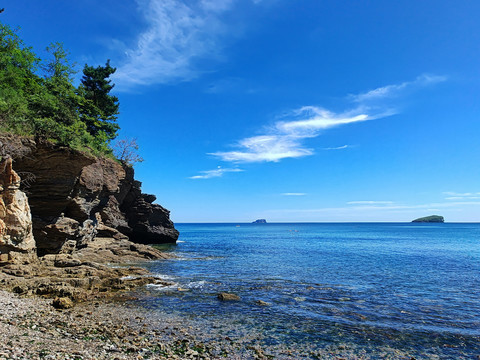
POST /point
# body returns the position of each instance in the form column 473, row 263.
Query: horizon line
column 327, row 222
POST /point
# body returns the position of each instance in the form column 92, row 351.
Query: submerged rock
column 228, row 297
column 262, row 303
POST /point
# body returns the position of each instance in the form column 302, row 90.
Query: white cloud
column 208, row 174
column 266, row 148
column 361, row 208
column 293, row 194
column 338, row 147
column 369, row 202
column 451, row 195
column 315, row 119
column 177, row 34
column 390, row 91
column 285, row 138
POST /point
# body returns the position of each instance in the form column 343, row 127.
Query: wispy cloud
column 178, row 33
column 285, row 138
column 451, row 195
column 362, row 208
column 391, row 91
column 369, row 202
column 337, row 148
column 293, row 194
column 208, row 174
column 394, row 206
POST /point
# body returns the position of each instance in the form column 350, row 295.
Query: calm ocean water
column 374, row 288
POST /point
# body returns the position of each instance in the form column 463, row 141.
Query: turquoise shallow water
column 411, row 287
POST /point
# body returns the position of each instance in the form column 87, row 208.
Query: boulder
column 62, row 303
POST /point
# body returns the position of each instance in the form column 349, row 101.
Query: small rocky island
column 259, row 221
column 430, row 219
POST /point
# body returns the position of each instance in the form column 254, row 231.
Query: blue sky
column 287, row 110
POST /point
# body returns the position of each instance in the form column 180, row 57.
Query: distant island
column 430, row 219
column 259, row 221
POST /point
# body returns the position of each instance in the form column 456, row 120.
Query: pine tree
column 99, row 109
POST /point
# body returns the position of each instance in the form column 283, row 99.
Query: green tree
column 99, row 109
column 59, row 100
column 55, row 107
column 49, row 106
column 18, row 81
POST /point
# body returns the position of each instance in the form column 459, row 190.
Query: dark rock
column 430, row 219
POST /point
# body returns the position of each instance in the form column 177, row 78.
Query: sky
column 291, row 111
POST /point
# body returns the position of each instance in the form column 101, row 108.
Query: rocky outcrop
column 430, row 219
column 83, row 214
column 260, row 221
column 16, row 236
column 76, row 198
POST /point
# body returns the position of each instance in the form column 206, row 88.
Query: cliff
column 76, row 213
column 76, row 197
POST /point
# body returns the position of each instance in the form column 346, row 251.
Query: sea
column 357, row 290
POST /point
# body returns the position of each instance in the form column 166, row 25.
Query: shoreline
column 115, row 328
column 32, row 329
column 118, row 327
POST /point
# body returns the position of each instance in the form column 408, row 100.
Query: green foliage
column 62, row 99
column 48, row 105
column 18, row 82
column 99, row 109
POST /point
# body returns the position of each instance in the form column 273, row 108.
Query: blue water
column 373, row 287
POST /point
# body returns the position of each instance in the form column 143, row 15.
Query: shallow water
column 374, row 288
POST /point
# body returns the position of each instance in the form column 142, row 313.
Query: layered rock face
column 75, row 198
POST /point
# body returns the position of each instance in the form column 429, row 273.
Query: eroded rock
column 74, row 195
column 15, row 218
